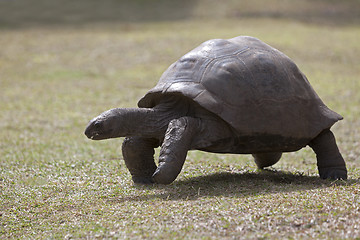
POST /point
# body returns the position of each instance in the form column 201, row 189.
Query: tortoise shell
column 255, row 88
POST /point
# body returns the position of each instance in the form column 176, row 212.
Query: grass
column 57, row 71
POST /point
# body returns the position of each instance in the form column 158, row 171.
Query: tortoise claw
column 334, row 173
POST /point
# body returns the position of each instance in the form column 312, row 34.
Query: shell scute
column 253, row 87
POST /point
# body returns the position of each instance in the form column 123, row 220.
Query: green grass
column 60, row 68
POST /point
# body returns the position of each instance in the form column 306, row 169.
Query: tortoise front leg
column 177, row 142
column 329, row 160
column 138, row 154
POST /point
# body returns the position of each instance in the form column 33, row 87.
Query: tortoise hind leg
column 138, row 155
column 329, row 160
column 266, row 159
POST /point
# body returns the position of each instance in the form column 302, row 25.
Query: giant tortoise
column 237, row 96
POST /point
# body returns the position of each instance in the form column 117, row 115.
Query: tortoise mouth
column 95, row 135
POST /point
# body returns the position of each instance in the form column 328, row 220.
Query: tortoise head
column 107, row 125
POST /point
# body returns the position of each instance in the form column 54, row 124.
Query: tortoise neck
column 153, row 122
column 146, row 122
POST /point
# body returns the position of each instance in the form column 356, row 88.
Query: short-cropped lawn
column 60, row 68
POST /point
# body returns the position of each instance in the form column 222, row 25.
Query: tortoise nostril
column 88, row 132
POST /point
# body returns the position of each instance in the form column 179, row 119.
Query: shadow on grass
column 235, row 185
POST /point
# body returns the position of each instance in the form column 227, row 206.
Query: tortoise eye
column 97, row 125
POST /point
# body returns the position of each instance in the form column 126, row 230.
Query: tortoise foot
column 143, row 180
column 333, row 173
column 164, row 174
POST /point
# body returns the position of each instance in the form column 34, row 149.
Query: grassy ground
column 60, row 66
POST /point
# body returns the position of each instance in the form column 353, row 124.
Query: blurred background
column 63, row 62
column 40, row 13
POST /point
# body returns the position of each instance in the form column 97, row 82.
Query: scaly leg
column 138, row 154
column 329, row 160
column 177, row 142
